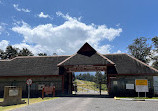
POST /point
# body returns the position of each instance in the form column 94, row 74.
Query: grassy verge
column 31, row 101
column 137, row 97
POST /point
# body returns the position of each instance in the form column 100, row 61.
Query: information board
column 155, row 84
column 13, row 92
column 129, row 86
column 141, row 85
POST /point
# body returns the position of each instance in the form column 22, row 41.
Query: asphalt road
column 90, row 104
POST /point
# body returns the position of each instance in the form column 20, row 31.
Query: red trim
column 32, row 76
column 63, row 84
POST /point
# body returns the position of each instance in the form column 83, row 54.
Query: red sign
column 48, row 90
column 29, row 81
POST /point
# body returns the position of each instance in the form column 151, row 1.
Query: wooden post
column 100, row 88
column 53, row 91
column 42, row 93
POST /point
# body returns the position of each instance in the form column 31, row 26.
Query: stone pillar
column 12, row 95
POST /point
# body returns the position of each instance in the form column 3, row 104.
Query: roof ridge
column 105, row 58
column 142, row 62
column 66, row 59
column 32, row 57
column 39, row 56
column 115, row 54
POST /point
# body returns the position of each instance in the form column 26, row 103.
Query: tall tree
column 140, row 49
column 42, row 54
column 11, row 52
column 25, row 52
column 2, row 54
column 155, row 52
column 98, row 77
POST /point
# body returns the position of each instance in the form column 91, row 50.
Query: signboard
column 155, row 80
column 29, row 81
column 86, row 68
column 129, row 86
column 141, row 82
column 48, row 90
column 114, row 82
column 13, row 92
column 141, row 85
column 155, row 84
column 41, row 86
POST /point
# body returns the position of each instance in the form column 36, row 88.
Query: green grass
column 31, row 101
column 89, row 85
column 139, row 97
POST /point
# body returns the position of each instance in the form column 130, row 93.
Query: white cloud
column 3, row 28
column 66, row 38
column 118, row 52
column 4, row 44
column 117, row 25
column 34, row 49
column 16, row 6
column 42, row 15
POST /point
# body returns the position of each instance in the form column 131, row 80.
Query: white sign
column 114, row 82
column 29, row 82
column 129, row 86
column 155, row 84
column 41, row 86
column 141, row 85
column 142, row 88
column 155, row 79
column 13, row 92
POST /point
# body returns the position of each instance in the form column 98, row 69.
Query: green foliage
column 2, row 54
column 155, row 51
column 140, row 49
column 42, row 54
column 25, row 52
column 155, row 42
column 86, row 77
column 11, row 52
column 97, row 78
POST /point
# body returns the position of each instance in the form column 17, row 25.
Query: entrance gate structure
column 86, row 59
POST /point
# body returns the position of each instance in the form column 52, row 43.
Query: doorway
column 92, row 83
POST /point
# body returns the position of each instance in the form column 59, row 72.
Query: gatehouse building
column 121, row 70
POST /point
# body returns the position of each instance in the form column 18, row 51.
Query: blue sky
column 63, row 26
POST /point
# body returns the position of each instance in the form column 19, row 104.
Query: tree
column 98, row 77
column 42, row 54
column 25, row 52
column 2, row 54
column 11, row 52
column 140, row 49
column 155, row 51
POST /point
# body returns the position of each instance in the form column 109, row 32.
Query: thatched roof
column 126, row 64
column 21, row 66
column 86, row 56
column 49, row 65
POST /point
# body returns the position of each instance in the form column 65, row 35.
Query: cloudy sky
column 63, row 26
